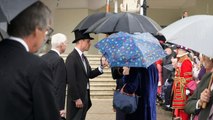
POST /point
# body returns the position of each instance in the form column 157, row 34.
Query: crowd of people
column 182, row 74
column 174, row 79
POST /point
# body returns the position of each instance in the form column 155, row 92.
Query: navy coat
column 57, row 65
column 26, row 86
column 143, row 81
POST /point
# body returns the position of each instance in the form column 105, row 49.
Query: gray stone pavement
column 102, row 110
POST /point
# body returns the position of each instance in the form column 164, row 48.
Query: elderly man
column 26, row 87
column 57, row 65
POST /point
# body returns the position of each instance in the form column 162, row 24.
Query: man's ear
column 36, row 31
column 61, row 45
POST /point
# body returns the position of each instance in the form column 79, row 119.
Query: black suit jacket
column 77, row 81
column 58, row 68
column 26, row 87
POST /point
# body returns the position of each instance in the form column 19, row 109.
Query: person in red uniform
column 183, row 75
column 160, row 81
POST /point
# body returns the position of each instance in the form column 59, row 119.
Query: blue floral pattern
column 132, row 50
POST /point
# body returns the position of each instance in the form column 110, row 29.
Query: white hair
column 57, row 39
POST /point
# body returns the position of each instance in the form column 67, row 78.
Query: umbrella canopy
column 9, row 9
column 132, row 50
column 125, row 22
column 3, row 29
column 90, row 20
column 154, row 23
column 194, row 32
column 3, row 34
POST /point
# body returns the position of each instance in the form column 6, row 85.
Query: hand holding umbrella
column 104, row 62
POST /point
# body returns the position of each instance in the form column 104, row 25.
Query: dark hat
column 160, row 38
column 79, row 34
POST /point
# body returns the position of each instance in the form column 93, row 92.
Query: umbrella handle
column 101, row 60
column 209, row 87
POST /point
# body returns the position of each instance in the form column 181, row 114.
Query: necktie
column 85, row 66
column 84, row 62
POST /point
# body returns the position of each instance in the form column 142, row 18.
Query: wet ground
column 102, row 110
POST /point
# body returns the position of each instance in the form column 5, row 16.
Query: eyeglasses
column 49, row 31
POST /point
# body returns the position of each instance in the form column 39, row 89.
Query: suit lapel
column 87, row 64
column 80, row 61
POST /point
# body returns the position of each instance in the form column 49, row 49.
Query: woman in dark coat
column 143, row 82
column 117, row 74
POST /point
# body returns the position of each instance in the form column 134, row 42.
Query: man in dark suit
column 56, row 63
column 78, row 74
column 26, row 87
column 194, row 104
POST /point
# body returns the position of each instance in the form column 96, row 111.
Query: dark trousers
column 81, row 114
column 120, row 115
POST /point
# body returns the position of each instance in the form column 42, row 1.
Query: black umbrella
column 125, row 22
column 3, row 34
column 9, row 9
column 90, row 20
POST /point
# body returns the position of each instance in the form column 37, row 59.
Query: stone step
column 94, row 62
column 103, row 84
column 93, row 92
column 104, row 88
column 105, row 75
column 94, row 59
column 102, row 80
column 101, row 96
column 96, row 95
column 97, row 84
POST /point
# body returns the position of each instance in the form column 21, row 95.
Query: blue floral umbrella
column 132, row 50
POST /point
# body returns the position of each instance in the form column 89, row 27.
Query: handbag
column 192, row 85
column 125, row 103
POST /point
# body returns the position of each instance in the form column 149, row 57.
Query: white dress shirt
column 20, row 41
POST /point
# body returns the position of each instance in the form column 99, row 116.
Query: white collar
column 79, row 51
column 20, row 41
column 56, row 51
